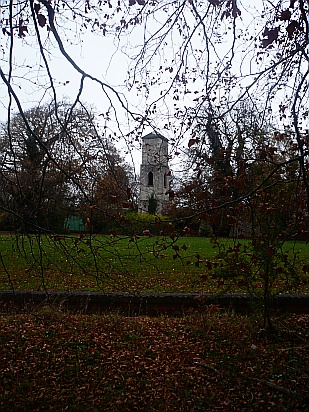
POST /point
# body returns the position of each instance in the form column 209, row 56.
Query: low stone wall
column 144, row 304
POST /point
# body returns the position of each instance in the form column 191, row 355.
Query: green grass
column 106, row 263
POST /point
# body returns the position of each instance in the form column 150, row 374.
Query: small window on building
column 150, row 179
column 165, row 180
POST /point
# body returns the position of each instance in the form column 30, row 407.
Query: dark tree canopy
column 53, row 164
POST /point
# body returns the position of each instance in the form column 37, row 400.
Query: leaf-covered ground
column 51, row 361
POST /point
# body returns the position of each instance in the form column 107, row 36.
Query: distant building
column 154, row 174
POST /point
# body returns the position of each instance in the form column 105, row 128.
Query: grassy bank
column 104, row 263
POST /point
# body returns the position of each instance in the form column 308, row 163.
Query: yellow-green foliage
column 145, row 217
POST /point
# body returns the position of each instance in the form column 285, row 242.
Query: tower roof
column 154, row 136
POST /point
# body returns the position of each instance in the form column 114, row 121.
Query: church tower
column 154, row 174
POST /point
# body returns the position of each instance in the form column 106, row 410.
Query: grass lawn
column 104, row 263
column 209, row 361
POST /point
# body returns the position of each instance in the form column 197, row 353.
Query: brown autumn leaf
column 214, row 2
column 292, row 28
column 285, row 15
column 192, row 142
column 41, row 19
column 270, row 36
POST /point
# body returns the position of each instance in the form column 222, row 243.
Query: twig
column 276, row 387
column 293, row 348
column 210, row 368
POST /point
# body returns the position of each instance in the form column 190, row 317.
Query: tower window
column 165, row 180
column 150, row 179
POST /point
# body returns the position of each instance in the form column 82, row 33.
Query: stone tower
column 154, row 174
